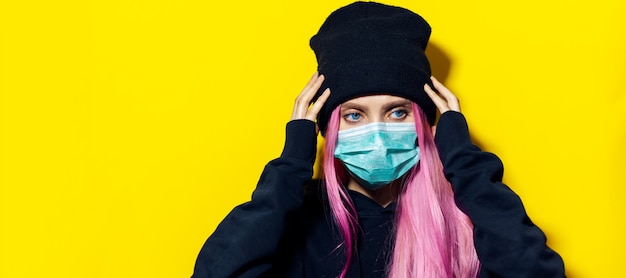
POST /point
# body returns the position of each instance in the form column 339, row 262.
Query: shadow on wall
column 440, row 63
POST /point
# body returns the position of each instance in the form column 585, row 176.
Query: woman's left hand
column 444, row 100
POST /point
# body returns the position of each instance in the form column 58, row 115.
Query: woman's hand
column 444, row 100
column 303, row 109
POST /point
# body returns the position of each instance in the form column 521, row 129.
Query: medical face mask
column 378, row 153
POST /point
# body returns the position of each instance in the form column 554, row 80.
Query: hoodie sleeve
column 506, row 240
column 245, row 242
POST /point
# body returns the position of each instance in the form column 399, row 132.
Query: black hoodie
column 286, row 230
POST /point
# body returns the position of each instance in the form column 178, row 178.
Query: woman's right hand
column 303, row 109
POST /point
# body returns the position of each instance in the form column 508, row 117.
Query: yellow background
column 128, row 128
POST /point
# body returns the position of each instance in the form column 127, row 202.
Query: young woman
column 395, row 200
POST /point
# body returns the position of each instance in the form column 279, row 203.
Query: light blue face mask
column 378, row 153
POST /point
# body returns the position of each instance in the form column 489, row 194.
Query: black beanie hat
column 368, row 48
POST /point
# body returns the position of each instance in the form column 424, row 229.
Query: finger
column 312, row 79
column 451, row 100
column 300, row 108
column 303, row 100
column 441, row 104
column 310, row 90
column 306, row 90
column 317, row 106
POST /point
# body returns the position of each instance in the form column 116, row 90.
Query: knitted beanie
column 368, row 48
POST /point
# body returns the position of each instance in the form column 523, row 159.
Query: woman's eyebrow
column 351, row 105
column 386, row 106
column 394, row 104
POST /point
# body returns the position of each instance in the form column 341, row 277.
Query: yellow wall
column 128, row 129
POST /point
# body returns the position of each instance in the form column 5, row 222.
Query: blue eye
column 353, row 117
column 398, row 114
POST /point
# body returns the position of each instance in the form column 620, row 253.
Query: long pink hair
column 433, row 238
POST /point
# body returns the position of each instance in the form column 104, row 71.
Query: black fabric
column 506, row 240
column 368, row 48
column 286, row 229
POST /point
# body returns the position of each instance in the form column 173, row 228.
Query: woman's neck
column 383, row 196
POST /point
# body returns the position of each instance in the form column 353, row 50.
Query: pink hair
column 433, row 238
column 341, row 205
